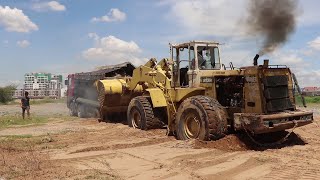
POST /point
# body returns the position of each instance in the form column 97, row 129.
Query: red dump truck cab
column 69, row 82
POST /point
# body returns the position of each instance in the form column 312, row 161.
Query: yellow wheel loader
column 195, row 96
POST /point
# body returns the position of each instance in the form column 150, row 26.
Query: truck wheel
column 81, row 111
column 201, row 117
column 140, row 114
column 72, row 109
column 96, row 113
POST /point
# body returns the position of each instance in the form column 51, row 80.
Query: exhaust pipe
column 255, row 60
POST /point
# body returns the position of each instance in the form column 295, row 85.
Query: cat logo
column 206, row 80
column 251, row 79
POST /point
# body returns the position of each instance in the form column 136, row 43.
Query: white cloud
column 309, row 13
column 225, row 18
column 113, row 51
column 5, row 43
column 290, row 58
column 239, row 57
column 202, row 17
column 23, row 43
column 93, row 36
column 49, row 6
column 17, row 83
column 222, row 20
column 114, row 15
column 308, row 78
column 315, row 44
column 15, row 20
column 305, row 71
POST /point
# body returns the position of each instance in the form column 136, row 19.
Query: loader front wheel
column 202, row 118
column 141, row 115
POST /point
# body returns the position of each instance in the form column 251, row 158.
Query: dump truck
column 82, row 94
column 195, row 96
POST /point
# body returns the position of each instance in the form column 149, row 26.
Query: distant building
column 311, row 91
column 42, row 81
column 40, row 85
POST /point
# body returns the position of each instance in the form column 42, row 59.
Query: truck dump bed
column 82, row 93
column 123, row 69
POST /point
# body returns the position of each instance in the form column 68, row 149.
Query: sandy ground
column 87, row 149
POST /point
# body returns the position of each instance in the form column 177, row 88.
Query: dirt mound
column 242, row 142
column 228, row 143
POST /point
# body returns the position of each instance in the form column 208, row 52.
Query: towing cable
column 273, row 143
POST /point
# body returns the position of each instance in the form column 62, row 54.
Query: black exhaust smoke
column 274, row 20
column 255, row 60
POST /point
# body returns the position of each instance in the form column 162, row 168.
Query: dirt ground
column 87, row 149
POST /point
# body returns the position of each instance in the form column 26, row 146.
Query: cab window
column 208, row 58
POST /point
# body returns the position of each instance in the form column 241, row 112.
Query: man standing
column 25, row 105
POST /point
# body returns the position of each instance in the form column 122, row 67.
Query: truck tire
column 202, row 118
column 141, row 115
column 72, row 109
column 96, row 113
column 81, row 111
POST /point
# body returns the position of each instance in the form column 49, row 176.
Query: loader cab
column 191, row 58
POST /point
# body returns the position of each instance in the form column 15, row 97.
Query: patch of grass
column 308, row 99
column 315, row 99
column 13, row 120
column 21, row 142
column 16, row 120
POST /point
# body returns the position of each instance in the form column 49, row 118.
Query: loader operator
column 205, row 61
column 25, row 105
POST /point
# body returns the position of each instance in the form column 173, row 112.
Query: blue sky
column 67, row 36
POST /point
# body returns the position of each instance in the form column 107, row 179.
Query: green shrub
column 6, row 93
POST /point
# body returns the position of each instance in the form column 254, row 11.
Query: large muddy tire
column 96, row 113
column 81, row 111
column 141, row 115
column 73, row 109
column 201, row 117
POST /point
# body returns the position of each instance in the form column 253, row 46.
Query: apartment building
column 40, row 85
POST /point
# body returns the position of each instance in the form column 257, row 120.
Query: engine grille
column 276, row 93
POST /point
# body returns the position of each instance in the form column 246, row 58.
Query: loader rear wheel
column 141, row 115
column 201, row 117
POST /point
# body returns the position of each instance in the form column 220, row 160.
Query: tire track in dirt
column 294, row 171
column 124, row 146
column 242, row 165
column 298, row 162
column 213, row 164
